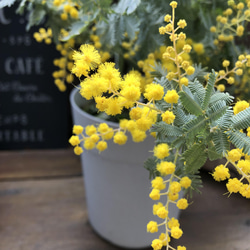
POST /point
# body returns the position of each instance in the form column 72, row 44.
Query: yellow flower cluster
column 173, row 185
column 69, row 9
column 241, row 162
column 231, row 22
column 43, row 35
column 229, row 74
column 64, row 64
column 178, row 54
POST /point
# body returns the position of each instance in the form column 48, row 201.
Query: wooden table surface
column 42, row 207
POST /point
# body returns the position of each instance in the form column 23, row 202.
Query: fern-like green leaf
column 188, row 102
column 219, row 96
column 166, row 129
column 195, row 126
column 195, row 157
column 240, row 140
column 225, row 121
column 242, row 119
column 209, row 90
column 150, row 165
column 212, row 153
column 221, row 142
column 217, row 110
column 196, row 87
column 181, row 118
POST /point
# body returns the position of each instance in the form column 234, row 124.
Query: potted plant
column 176, row 100
column 192, row 121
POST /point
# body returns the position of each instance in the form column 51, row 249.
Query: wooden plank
column 51, row 215
column 25, row 164
column 46, row 215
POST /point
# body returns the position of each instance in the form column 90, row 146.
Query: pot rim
column 74, row 105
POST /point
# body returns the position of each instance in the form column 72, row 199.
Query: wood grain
column 38, row 164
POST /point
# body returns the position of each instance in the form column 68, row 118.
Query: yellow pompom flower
column 167, row 18
column 156, row 244
column 156, row 207
column 221, row 173
column 176, row 232
column 185, row 182
column 161, row 151
column 175, row 187
column 240, row 106
column 77, row 129
column 74, row 13
column 138, row 135
column 135, row 113
column 187, row 48
column 234, row 155
column 199, row 48
column 144, row 123
column 78, row 150
column 155, row 194
column 165, row 168
column 120, row 138
column 182, row 23
column 184, row 81
column 86, row 59
column 154, row 92
column 168, row 117
column 131, row 93
column 171, row 96
column 173, row 196
column 158, row 183
column 89, row 144
column 90, row 130
column 181, row 248
column 152, row 227
column 95, row 138
column 190, row 70
column 244, row 165
column 233, row 185
column 162, row 213
column 114, row 107
column 74, row 140
column 221, row 87
column 173, row 4
column 173, row 222
column 182, row 203
column 226, row 63
column 101, row 145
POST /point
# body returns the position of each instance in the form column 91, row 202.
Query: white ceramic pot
column 117, row 186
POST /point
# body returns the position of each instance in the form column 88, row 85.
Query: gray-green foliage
column 204, row 127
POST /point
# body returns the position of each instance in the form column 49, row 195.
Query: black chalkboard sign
column 34, row 114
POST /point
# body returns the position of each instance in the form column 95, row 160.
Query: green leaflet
column 225, row 121
column 150, row 165
column 209, row 90
column 127, row 6
column 212, row 153
column 240, row 140
column 189, row 103
column 196, row 87
column 166, row 129
column 78, row 27
column 219, row 96
column 195, row 157
column 242, row 119
column 217, row 110
column 36, row 16
column 195, row 126
column 221, row 142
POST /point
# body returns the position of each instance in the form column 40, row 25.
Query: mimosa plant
column 174, row 98
column 191, row 120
